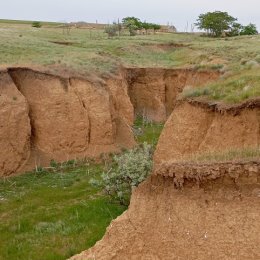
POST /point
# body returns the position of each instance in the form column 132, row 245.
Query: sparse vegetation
column 227, row 155
column 128, row 171
column 234, row 89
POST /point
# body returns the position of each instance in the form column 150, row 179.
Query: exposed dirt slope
column 218, row 219
column 196, row 127
column 153, row 91
column 15, row 129
column 69, row 118
column 190, row 210
column 72, row 117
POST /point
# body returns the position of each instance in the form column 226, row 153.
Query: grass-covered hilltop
column 86, row 51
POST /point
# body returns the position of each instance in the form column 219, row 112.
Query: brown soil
column 51, row 117
column 74, row 117
column 153, row 92
column 191, row 210
column 15, row 127
column 217, row 218
column 198, row 127
column 64, row 43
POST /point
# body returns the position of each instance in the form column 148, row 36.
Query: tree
column 112, row 30
column 235, row 29
column 155, row 27
column 133, row 24
column 249, row 29
column 147, row 26
column 216, row 23
column 36, row 24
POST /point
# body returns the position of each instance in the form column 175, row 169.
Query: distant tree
column 132, row 24
column 155, row 27
column 249, row 29
column 215, row 23
column 36, row 24
column 235, row 30
column 112, row 30
column 147, row 26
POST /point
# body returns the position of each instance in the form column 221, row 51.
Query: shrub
column 111, row 30
column 130, row 169
column 36, row 24
column 249, row 29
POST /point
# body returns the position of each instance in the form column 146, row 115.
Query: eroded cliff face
column 198, row 128
column 15, row 129
column 194, row 210
column 70, row 117
column 48, row 117
column 214, row 218
column 153, row 91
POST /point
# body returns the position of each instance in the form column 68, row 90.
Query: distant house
column 168, row 29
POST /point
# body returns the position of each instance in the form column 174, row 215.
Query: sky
column 175, row 12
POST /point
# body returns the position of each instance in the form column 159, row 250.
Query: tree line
column 132, row 24
column 219, row 24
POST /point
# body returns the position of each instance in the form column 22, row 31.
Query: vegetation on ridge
column 86, row 51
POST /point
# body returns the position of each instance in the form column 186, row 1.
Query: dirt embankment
column 72, row 117
column 199, row 128
column 153, row 91
column 215, row 219
column 46, row 117
column 193, row 210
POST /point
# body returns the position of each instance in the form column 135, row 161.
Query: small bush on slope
column 132, row 168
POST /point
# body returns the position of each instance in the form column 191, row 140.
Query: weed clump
column 129, row 170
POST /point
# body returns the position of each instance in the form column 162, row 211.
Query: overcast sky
column 176, row 12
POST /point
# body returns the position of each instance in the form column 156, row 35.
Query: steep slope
column 193, row 210
column 15, row 129
column 153, row 91
column 199, row 128
column 63, row 118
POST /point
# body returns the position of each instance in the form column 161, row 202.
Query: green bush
column 112, row 30
column 36, row 24
column 249, row 29
column 129, row 170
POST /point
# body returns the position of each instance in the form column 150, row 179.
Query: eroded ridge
column 210, row 214
column 153, row 91
column 190, row 209
column 202, row 172
column 197, row 127
column 52, row 117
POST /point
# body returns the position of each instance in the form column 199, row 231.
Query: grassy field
column 86, row 51
column 52, row 215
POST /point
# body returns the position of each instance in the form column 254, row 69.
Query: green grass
column 227, row 155
column 52, row 215
column 148, row 132
column 55, row 213
column 234, row 89
column 90, row 51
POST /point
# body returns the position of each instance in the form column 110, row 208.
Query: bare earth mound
column 194, row 210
